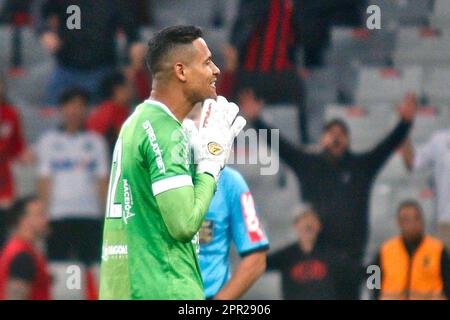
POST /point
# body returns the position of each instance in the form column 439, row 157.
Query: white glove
column 213, row 140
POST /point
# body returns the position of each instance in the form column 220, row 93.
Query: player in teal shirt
column 231, row 218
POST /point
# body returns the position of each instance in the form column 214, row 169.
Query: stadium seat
column 32, row 51
column 31, row 88
column 360, row 47
column 387, row 85
column 5, row 36
column 25, row 178
column 285, row 117
column 436, row 82
column 322, row 89
column 424, row 47
column 382, row 224
column 198, row 12
column 440, row 15
column 404, row 12
column 428, row 120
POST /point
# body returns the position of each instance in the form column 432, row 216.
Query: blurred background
column 336, row 68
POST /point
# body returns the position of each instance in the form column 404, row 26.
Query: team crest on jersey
column 254, row 229
column 214, row 148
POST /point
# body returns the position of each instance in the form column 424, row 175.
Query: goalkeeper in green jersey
column 159, row 192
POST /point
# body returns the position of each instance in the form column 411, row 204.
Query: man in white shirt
column 73, row 172
column 435, row 155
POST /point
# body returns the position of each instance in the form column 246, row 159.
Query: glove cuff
column 211, row 167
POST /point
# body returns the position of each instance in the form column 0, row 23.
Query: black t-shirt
column 23, row 267
column 339, row 189
column 305, row 276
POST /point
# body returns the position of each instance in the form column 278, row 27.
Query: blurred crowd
column 92, row 89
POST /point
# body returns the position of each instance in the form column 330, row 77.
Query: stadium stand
column 441, row 12
column 393, row 82
column 365, row 75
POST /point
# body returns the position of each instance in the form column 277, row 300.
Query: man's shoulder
column 231, row 176
column 150, row 114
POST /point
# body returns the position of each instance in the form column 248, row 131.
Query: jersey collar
column 164, row 107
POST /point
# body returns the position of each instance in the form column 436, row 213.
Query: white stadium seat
column 441, row 14
column 436, row 85
column 387, row 85
column 425, row 47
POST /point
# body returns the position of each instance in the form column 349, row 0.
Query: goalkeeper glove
column 212, row 141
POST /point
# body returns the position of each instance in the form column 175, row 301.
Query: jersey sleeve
column 167, row 154
column 246, row 230
column 424, row 156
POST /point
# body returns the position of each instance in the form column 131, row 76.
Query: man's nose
column 216, row 70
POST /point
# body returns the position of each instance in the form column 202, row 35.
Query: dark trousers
column 16, row 48
column 349, row 280
column 277, row 87
column 3, row 227
column 75, row 239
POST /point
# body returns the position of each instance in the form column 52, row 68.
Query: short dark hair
column 167, row 39
column 410, row 203
column 19, row 209
column 110, row 82
column 72, row 93
column 336, row 122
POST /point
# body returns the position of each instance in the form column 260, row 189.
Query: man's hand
column 326, row 140
column 51, row 41
column 408, row 107
column 407, row 151
column 217, row 129
column 251, row 106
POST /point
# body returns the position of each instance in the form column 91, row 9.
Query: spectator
column 138, row 74
column 23, row 269
column 12, row 146
column 308, row 269
column 337, row 182
column 316, row 18
column 414, row 266
column 435, row 155
column 263, row 38
column 84, row 56
column 17, row 13
column 72, row 169
column 231, row 218
column 108, row 117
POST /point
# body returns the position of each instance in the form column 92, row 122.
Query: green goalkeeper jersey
column 140, row 259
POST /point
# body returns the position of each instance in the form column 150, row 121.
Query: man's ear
column 180, row 71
